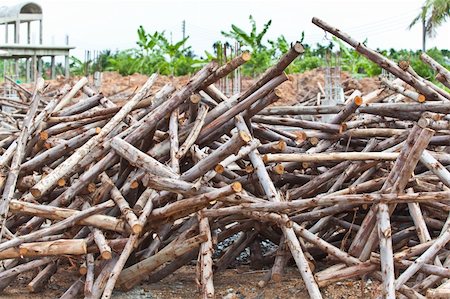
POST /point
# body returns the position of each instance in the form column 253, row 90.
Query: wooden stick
column 54, row 213
column 55, row 228
column 194, row 133
column 132, row 275
column 66, row 99
column 140, row 159
column 327, row 157
column 205, row 259
column 24, row 267
column 38, row 249
column 38, row 282
column 443, row 73
column 89, row 281
column 122, row 204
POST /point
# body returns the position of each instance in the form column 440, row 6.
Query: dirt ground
column 240, row 283
column 298, row 87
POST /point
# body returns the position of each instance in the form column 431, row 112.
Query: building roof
column 25, row 11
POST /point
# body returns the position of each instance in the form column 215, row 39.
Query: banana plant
column 253, row 39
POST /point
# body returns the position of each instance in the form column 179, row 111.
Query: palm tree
column 433, row 14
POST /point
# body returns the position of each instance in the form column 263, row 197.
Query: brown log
column 122, row 204
column 132, row 275
column 205, row 259
column 39, row 281
column 54, row 213
column 38, row 249
column 55, row 228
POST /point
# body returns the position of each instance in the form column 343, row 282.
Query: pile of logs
column 133, row 190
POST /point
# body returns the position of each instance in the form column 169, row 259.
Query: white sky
column 102, row 24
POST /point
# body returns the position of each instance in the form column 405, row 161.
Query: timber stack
column 135, row 190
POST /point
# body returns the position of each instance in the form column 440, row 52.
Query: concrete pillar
column 17, row 32
column 28, row 70
column 53, row 65
column 40, row 32
column 33, row 68
column 66, row 61
column 28, row 32
column 39, row 66
column 16, row 69
column 66, row 67
column 6, row 33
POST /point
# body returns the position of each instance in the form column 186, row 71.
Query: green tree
column 254, row 41
column 432, row 15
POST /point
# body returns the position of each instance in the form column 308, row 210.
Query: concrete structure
column 26, row 13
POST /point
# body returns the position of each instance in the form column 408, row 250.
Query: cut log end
column 249, row 169
column 43, row 135
column 61, row 182
column 281, row 145
column 106, row 255
column 265, row 158
column 35, row 192
column 404, row 65
column 236, row 186
column 343, row 128
column 219, row 169
column 279, row 169
column 244, row 136
column 134, row 185
column 137, row 228
column 423, row 122
column 246, row 56
column 82, row 270
column 277, row 91
column 195, row 98
column 421, row 98
column 298, row 47
column 358, row 101
column 314, row 140
column 301, row 136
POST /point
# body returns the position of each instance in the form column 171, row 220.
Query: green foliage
column 156, row 53
column 253, row 39
column 78, row 67
column 433, row 14
column 262, row 54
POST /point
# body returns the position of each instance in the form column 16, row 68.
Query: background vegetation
column 156, row 53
